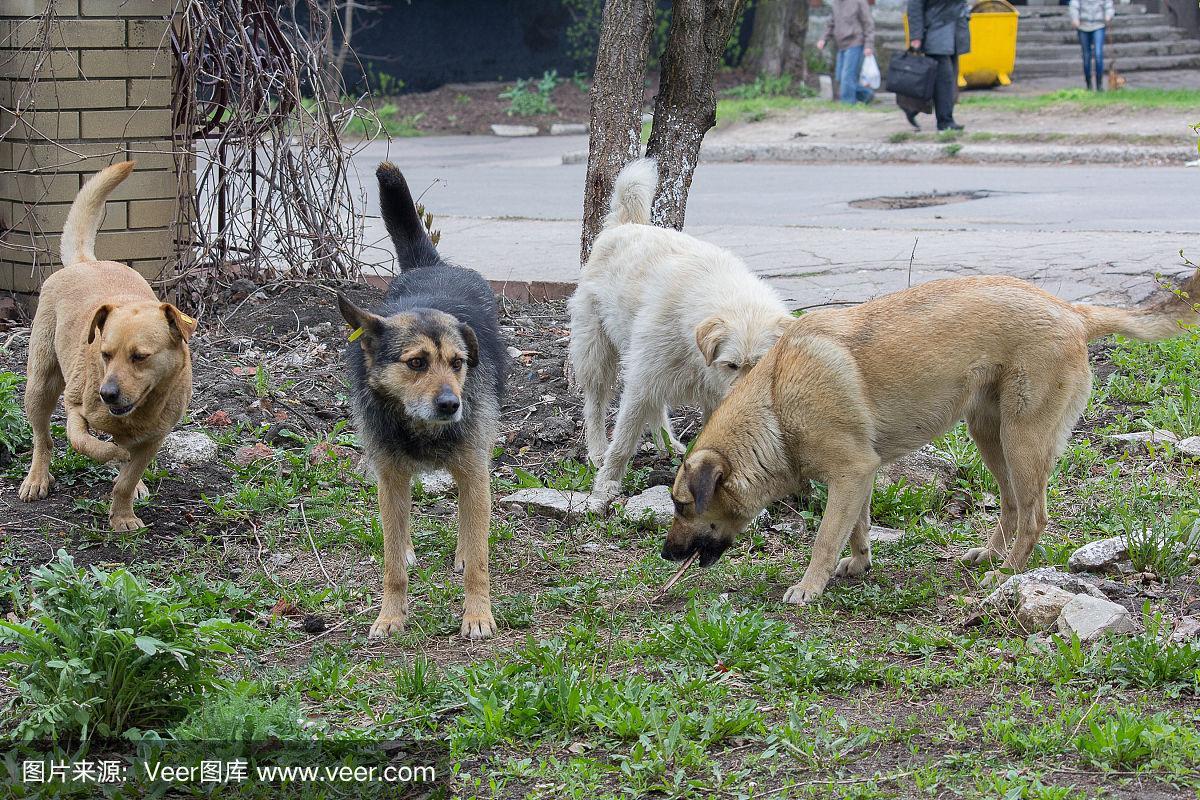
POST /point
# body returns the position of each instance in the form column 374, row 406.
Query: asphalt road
column 509, row 208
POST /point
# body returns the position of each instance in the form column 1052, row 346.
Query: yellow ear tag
column 357, row 332
column 187, row 319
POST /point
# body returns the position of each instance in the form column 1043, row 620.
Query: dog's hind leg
column 984, row 425
column 44, row 385
column 635, row 413
column 395, row 510
column 594, row 361
column 474, row 521
column 859, row 560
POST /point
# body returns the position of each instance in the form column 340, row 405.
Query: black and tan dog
column 428, row 372
column 120, row 354
column 846, row 391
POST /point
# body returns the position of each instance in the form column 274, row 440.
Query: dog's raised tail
column 413, row 246
column 1160, row 320
column 78, row 243
column 633, row 194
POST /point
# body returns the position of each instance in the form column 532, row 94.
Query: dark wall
column 428, row 43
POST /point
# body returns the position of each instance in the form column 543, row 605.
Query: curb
column 522, row 291
column 947, row 153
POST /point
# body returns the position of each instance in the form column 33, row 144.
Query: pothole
column 916, row 200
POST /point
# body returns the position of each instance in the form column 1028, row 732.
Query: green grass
column 388, row 120
column 1178, row 99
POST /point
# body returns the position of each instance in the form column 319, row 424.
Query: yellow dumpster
column 993, row 45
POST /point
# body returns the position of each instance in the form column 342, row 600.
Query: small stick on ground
column 678, row 574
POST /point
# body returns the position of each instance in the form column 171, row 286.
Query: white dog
column 683, row 320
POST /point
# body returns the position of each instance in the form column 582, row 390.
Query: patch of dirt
column 469, row 109
column 916, row 200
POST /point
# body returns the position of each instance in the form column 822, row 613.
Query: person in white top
column 1090, row 18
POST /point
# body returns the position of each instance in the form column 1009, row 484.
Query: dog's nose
column 110, row 393
column 448, row 403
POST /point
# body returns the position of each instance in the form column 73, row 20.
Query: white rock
column 826, row 84
column 1145, row 439
column 922, row 467
column 1090, row 618
column 1039, row 604
column 188, row 448
column 1190, row 446
column 878, row 533
column 555, row 503
column 515, row 130
column 1100, row 556
column 590, row 547
column 438, row 482
column 513, row 352
column 1006, row 593
column 655, row 501
column 567, row 128
column 1186, row 629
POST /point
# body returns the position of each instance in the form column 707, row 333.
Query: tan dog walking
column 116, row 354
column 846, row 391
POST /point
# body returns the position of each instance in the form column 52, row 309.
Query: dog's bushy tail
column 78, row 243
column 1161, row 320
column 633, row 194
column 413, row 246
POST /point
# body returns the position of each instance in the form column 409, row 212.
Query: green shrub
column 104, row 656
column 14, row 431
column 528, row 98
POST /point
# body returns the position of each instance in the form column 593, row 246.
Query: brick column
column 102, row 95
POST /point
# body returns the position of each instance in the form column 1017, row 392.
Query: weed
column 1161, row 546
column 243, row 714
column 529, row 98
column 900, row 136
column 102, row 655
column 952, row 150
column 14, row 430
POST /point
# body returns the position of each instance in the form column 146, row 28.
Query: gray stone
column 1190, row 446
column 1100, row 556
column 924, row 467
column 1144, row 440
column 554, row 502
column 1090, row 618
column 826, row 84
column 1006, row 593
column 1187, row 629
column 438, row 482
column 515, row 130
column 655, row 501
column 878, row 533
column 567, row 128
column 187, row 448
column 1039, row 604
column 556, row 430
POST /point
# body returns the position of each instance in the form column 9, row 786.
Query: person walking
column 940, row 29
column 852, row 29
column 1090, row 19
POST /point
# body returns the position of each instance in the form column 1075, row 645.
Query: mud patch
column 916, row 200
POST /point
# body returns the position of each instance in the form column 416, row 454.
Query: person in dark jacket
column 939, row 28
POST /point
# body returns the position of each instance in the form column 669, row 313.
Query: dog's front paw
column 478, row 625
column 800, row 594
column 605, row 492
column 385, row 626
column 850, row 566
column 992, row 578
column 140, row 492
column 125, row 522
column 980, row 555
column 35, row 487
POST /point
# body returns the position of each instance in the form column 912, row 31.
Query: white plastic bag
column 870, row 77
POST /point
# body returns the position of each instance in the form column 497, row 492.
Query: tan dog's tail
column 1161, row 320
column 633, row 194
column 79, row 234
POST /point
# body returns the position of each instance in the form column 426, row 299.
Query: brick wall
column 102, row 95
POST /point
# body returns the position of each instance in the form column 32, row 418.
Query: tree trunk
column 686, row 105
column 777, row 40
column 618, row 88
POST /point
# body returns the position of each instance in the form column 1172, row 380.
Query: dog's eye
column 138, row 357
column 733, row 366
column 417, row 364
column 106, row 356
column 456, row 364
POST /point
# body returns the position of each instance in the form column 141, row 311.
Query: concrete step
column 1155, row 34
column 1179, row 47
column 1030, row 67
column 1121, row 23
column 1131, row 10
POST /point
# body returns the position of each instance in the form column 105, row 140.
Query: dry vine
column 266, row 188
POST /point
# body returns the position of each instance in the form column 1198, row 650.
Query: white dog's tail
column 83, row 220
column 633, row 193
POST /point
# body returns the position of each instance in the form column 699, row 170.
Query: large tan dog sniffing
column 846, row 391
column 119, row 352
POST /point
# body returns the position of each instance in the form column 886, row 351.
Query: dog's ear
column 782, row 324
column 182, row 326
column 358, row 319
column 710, row 335
column 706, row 470
column 468, row 335
column 98, row 320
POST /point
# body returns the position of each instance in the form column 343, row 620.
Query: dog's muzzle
column 110, row 393
column 710, row 550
